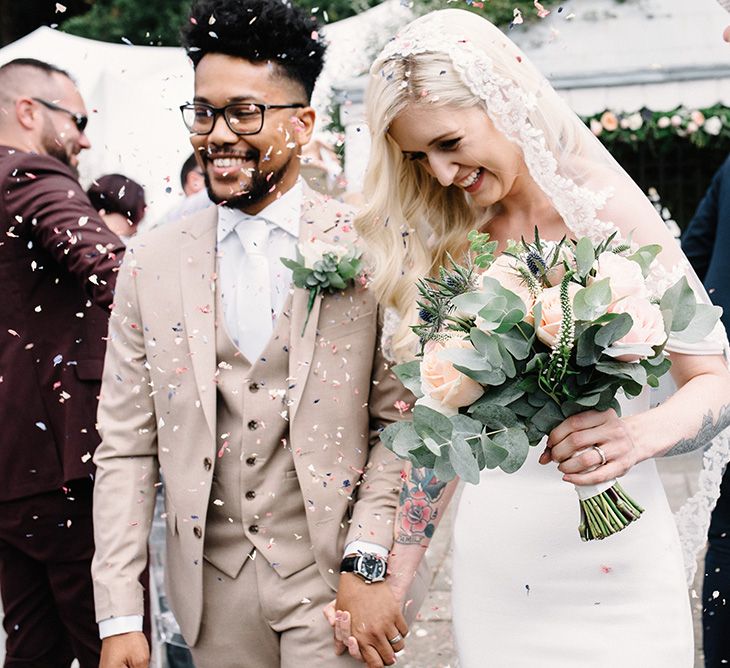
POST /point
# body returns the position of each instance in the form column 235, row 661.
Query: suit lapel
column 197, row 283
column 303, row 340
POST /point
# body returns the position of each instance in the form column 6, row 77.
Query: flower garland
column 700, row 126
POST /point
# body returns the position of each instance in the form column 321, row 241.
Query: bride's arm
column 688, row 420
column 423, row 502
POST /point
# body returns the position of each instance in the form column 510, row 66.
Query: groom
column 263, row 416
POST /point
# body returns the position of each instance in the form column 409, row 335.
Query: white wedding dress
column 527, row 592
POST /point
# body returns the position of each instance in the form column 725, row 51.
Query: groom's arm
column 127, row 467
column 375, row 613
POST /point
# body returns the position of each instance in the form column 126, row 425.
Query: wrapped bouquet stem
column 516, row 344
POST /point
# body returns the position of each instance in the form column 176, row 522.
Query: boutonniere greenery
column 322, row 267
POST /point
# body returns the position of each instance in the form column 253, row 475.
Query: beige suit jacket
column 158, row 410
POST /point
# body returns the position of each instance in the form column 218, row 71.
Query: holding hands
column 367, row 621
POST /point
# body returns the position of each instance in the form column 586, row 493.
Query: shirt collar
column 284, row 212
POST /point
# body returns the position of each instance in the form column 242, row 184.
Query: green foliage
column 133, row 21
column 499, row 12
column 158, row 23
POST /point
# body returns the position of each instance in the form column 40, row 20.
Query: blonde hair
column 410, row 222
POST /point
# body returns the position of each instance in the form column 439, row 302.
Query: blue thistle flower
column 535, row 263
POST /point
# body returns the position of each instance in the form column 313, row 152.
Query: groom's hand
column 126, row 650
column 376, row 618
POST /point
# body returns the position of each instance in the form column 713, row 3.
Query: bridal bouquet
column 513, row 345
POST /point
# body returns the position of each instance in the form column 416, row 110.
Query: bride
column 466, row 133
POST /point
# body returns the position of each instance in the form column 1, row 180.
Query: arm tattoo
column 706, row 433
column 418, row 507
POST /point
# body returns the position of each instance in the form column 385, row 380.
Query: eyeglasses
column 80, row 121
column 242, row 118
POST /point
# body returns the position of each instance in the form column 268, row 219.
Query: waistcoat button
column 207, row 464
column 254, row 528
column 250, row 461
column 250, row 495
column 197, row 531
column 253, row 425
column 253, row 387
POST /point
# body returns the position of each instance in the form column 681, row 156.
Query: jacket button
column 254, row 528
column 250, row 495
column 250, row 461
column 207, row 464
column 197, row 531
column 253, row 425
column 253, row 387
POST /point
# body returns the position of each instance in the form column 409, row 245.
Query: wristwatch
column 370, row 567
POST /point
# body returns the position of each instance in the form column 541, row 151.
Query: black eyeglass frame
column 80, row 120
column 216, row 111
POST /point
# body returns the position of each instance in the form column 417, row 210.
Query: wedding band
column 598, row 449
column 396, row 640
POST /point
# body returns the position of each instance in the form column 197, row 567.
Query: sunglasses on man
column 79, row 120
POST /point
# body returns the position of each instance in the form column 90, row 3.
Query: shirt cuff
column 363, row 546
column 115, row 626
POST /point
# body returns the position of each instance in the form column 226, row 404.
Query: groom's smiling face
column 249, row 171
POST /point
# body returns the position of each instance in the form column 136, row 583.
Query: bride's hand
column 571, row 443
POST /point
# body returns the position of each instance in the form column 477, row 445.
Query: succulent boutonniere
column 323, row 267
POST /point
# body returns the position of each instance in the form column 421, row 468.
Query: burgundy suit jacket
column 58, row 263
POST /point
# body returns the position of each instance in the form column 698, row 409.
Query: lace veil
column 588, row 188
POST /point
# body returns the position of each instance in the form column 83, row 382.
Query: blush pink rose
column 552, row 313
column 647, row 330
column 624, row 276
column 441, row 382
column 503, row 270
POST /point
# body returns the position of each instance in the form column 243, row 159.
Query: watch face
column 371, row 568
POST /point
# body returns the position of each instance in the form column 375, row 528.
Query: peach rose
column 624, row 275
column 647, row 330
column 609, row 121
column 503, row 270
column 441, row 382
column 552, row 313
column 596, row 127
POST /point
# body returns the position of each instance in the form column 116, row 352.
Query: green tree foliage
column 499, row 12
column 136, row 21
column 158, row 23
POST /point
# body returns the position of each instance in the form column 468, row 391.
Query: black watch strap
column 349, row 563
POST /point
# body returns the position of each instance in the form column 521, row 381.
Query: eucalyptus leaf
column 515, row 442
column 409, row 375
column 518, row 340
column 406, row 441
column 645, row 256
column 585, row 257
column 430, row 424
column 548, row 417
column 471, row 302
column 614, row 330
column 483, row 376
column 463, row 424
column 495, row 417
column 494, row 454
column 443, row 469
column 703, row 322
column 486, row 345
column 680, row 300
column 463, row 461
column 591, row 302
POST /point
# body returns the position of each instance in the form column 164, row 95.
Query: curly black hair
column 258, row 31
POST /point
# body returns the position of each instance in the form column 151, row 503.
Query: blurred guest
column 196, row 196
column 191, row 176
column 120, row 202
column 706, row 243
column 58, row 265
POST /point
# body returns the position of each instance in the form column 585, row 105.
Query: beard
column 258, row 188
column 49, row 142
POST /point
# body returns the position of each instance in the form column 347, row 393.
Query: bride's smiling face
column 460, row 147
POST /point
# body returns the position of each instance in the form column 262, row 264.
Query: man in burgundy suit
column 57, row 274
